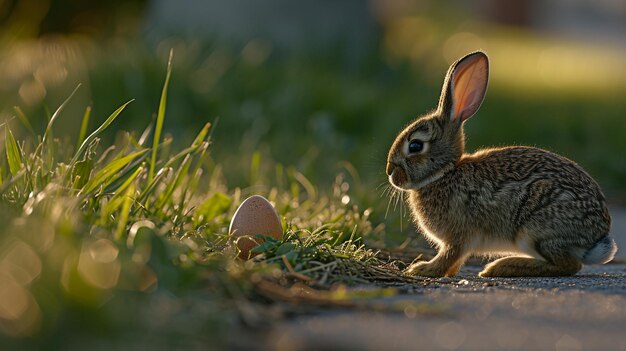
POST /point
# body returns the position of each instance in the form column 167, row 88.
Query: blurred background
column 321, row 87
column 315, row 83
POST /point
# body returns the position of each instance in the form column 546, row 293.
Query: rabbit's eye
column 416, row 146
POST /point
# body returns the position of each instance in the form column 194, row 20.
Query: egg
column 254, row 216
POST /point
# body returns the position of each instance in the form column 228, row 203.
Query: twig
column 292, row 273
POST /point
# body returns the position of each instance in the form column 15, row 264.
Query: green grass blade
column 114, row 182
column 14, row 156
column 202, row 135
column 183, row 170
column 56, row 114
column 22, row 117
column 99, row 130
column 195, row 173
column 146, row 133
column 81, row 172
column 109, row 170
column 125, row 212
column 120, row 189
column 83, row 127
column 160, row 118
column 9, row 183
column 128, row 181
column 120, row 192
column 143, row 198
column 196, row 145
column 120, row 177
column 216, row 205
column 183, row 153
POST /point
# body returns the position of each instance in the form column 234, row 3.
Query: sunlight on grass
column 343, row 114
column 566, row 67
column 520, row 60
column 160, row 118
column 90, row 231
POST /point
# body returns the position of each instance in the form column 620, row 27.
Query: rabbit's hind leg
column 515, row 266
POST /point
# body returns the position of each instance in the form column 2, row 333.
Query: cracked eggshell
column 254, row 216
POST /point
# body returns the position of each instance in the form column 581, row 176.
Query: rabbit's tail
column 602, row 251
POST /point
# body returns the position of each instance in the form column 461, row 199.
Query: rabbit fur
column 539, row 210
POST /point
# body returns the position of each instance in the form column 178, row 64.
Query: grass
column 313, row 109
column 119, row 239
column 126, row 245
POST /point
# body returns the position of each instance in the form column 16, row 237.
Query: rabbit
column 541, row 211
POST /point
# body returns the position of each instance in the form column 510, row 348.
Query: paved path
column 584, row 312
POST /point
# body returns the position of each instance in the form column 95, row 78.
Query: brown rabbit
column 543, row 212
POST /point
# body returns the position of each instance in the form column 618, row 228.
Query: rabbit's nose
column 390, row 167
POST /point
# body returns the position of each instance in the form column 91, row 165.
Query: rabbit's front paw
column 426, row 269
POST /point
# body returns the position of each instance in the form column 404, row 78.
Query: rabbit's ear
column 465, row 87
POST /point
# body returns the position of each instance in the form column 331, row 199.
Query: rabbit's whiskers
column 390, row 194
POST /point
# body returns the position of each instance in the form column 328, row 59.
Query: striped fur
column 540, row 209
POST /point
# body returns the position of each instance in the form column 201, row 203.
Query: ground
column 583, row 312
